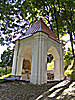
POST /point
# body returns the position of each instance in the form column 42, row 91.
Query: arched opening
column 53, row 64
column 50, row 67
column 26, row 62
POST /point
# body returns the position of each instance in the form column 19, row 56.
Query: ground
column 25, row 91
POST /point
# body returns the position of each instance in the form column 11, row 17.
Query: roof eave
column 39, row 31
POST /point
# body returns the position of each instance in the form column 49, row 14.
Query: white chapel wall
column 40, row 44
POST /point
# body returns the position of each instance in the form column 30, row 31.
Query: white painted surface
column 35, row 49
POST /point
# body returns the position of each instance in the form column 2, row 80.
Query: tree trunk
column 56, row 20
column 71, row 40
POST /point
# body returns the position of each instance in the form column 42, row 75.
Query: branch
column 56, row 20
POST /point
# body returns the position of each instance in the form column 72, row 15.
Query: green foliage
column 57, row 14
column 6, row 58
column 69, row 64
column 3, row 70
column 49, row 58
column 50, row 62
column 68, row 58
column 73, row 72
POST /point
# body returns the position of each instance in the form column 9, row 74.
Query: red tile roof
column 40, row 26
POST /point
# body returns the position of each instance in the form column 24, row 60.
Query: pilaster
column 15, row 58
column 35, row 61
column 61, row 62
column 19, row 65
column 38, row 71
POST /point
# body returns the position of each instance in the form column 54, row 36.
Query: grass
column 3, row 71
column 4, row 76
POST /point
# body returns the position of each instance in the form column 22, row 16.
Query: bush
column 3, row 70
column 73, row 75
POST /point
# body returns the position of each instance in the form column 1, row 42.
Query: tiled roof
column 39, row 26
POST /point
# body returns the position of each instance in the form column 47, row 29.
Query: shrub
column 3, row 70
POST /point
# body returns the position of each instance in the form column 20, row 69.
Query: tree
column 68, row 19
column 10, row 21
column 16, row 16
column 67, row 58
column 49, row 58
column 69, row 64
column 58, row 14
column 7, row 58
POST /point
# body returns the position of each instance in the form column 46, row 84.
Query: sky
column 68, row 44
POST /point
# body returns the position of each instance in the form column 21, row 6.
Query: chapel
column 30, row 55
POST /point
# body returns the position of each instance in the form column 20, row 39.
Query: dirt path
column 26, row 91
column 22, row 90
